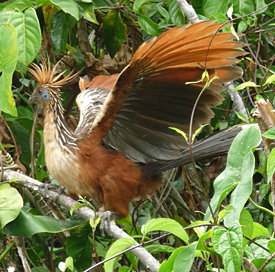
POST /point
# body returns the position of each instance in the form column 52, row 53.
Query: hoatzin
column 123, row 140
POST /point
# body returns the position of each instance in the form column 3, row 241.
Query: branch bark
column 34, row 185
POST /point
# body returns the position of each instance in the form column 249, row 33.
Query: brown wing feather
column 164, row 65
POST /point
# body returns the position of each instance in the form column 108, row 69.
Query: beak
column 33, row 99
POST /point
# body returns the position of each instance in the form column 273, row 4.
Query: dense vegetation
column 98, row 37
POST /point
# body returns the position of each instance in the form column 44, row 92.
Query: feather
column 161, row 68
column 45, row 75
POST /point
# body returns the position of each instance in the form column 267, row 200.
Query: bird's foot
column 105, row 221
column 44, row 189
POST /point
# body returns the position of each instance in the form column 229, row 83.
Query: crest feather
column 45, row 74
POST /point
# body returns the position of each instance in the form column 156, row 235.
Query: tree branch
column 31, row 184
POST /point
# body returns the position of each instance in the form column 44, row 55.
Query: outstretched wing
column 151, row 94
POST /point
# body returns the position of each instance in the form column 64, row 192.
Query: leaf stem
column 261, row 208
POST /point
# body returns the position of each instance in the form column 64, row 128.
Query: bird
column 124, row 141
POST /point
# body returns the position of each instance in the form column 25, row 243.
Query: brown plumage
column 120, row 146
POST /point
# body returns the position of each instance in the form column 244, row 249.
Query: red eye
column 39, row 91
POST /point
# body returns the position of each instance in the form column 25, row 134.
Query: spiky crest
column 45, row 75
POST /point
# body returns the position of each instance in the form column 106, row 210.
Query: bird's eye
column 39, row 91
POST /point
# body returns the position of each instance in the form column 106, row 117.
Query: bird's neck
column 56, row 130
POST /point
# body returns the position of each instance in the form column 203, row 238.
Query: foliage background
column 99, row 37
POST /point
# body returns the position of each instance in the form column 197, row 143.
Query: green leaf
column 11, row 203
column 79, row 246
column 197, row 132
column 59, row 31
column 198, row 230
column 175, row 13
column 270, row 79
column 228, row 243
column 201, row 243
column 88, row 12
column 260, row 4
column 27, row 224
column 184, row 261
column 238, row 173
column 164, row 13
column 138, row 4
column 243, row 7
column 242, row 117
column 22, row 137
column 181, row 133
column 270, row 169
column 220, row 18
column 244, row 85
column 69, row 263
column 148, row 25
column 29, row 35
column 157, row 248
column 270, row 134
column 8, row 59
column 212, row 7
column 113, row 31
column 259, row 231
column 169, row 225
column 223, row 213
column 68, row 6
column 116, row 248
column 242, row 26
column 271, row 246
column 246, row 222
column 94, row 221
column 18, row 5
column 167, row 266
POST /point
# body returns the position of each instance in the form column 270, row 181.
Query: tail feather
column 213, row 146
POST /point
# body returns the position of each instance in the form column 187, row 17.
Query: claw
column 43, row 189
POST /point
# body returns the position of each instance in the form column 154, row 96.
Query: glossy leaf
column 184, row 261
column 212, row 7
column 113, row 31
column 169, row 225
column 68, row 6
column 202, row 244
column 259, row 231
column 116, row 248
column 270, row 79
column 18, row 5
column 29, row 35
column 228, row 243
column 175, row 13
column 238, row 173
column 59, row 31
column 138, row 4
column 8, row 59
column 148, row 25
column 79, row 247
column 244, row 85
column 242, row 117
column 167, row 266
column 246, row 222
column 243, row 7
column 88, row 12
column 11, row 203
column 270, row 169
column 270, row 134
column 157, row 248
column 27, row 224
column 164, row 13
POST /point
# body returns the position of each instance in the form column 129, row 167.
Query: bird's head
column 39, row 97
column 49, row 83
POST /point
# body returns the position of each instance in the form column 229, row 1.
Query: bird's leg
column 105, row 220
column 43, row 189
